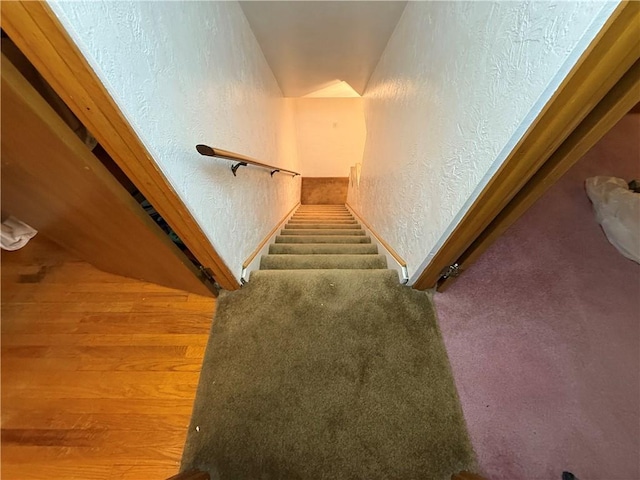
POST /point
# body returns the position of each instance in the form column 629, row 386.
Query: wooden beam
column 607, row 59
column 45, row 42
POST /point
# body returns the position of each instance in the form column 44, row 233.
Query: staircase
column 324, row 366
column 321, row 237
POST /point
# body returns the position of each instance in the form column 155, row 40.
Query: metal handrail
column 242, row 160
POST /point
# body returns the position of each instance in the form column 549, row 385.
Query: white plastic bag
column 15, row 234
column 618, row 212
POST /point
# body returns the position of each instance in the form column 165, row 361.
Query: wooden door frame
column 616, row 104
column 528, row 172
column 35, row 29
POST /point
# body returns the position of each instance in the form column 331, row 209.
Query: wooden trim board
column 37, row 32
column 253, row 261
column 392, row 256
column 606, row 60
column 607, row 113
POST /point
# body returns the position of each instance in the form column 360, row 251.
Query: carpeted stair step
column 336, row 212
column 322, row 207
column 330, row 226
column 322, row 217
column 345, row 214
column 323, row 248
column 320, row 220
column 320, row 231
column 322, row 239
column 318, row 214
column 322, row 212
column 343, row 209
column 325, row 212
column 322, row 262
column 323, row 279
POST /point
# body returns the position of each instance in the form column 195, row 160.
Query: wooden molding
column 264, row 241
column 609, row 56
column 45, row 42
column 620, row 100
column 393, row 253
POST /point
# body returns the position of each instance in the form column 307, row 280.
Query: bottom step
column 320, row 262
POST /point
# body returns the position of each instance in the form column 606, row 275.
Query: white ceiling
column 310, row 45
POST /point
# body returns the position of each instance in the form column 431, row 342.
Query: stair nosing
column 312, row 232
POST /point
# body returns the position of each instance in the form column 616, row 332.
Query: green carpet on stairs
column 322, row 372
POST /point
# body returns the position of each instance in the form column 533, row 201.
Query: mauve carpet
column 334, row 374
column 543, row 334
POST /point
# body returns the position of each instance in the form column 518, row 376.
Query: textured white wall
column 185, row 73
column 456, row 88
column 330, row 135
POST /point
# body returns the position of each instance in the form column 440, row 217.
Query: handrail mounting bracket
column 234, row 168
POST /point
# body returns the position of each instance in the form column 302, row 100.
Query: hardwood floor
column 99, row 372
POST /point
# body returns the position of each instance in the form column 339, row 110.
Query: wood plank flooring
column 99, row 372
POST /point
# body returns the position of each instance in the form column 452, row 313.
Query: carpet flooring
column 550, row 381
column 320, row 370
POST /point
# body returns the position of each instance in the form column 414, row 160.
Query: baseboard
column 395, row 261
column 253, row 262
